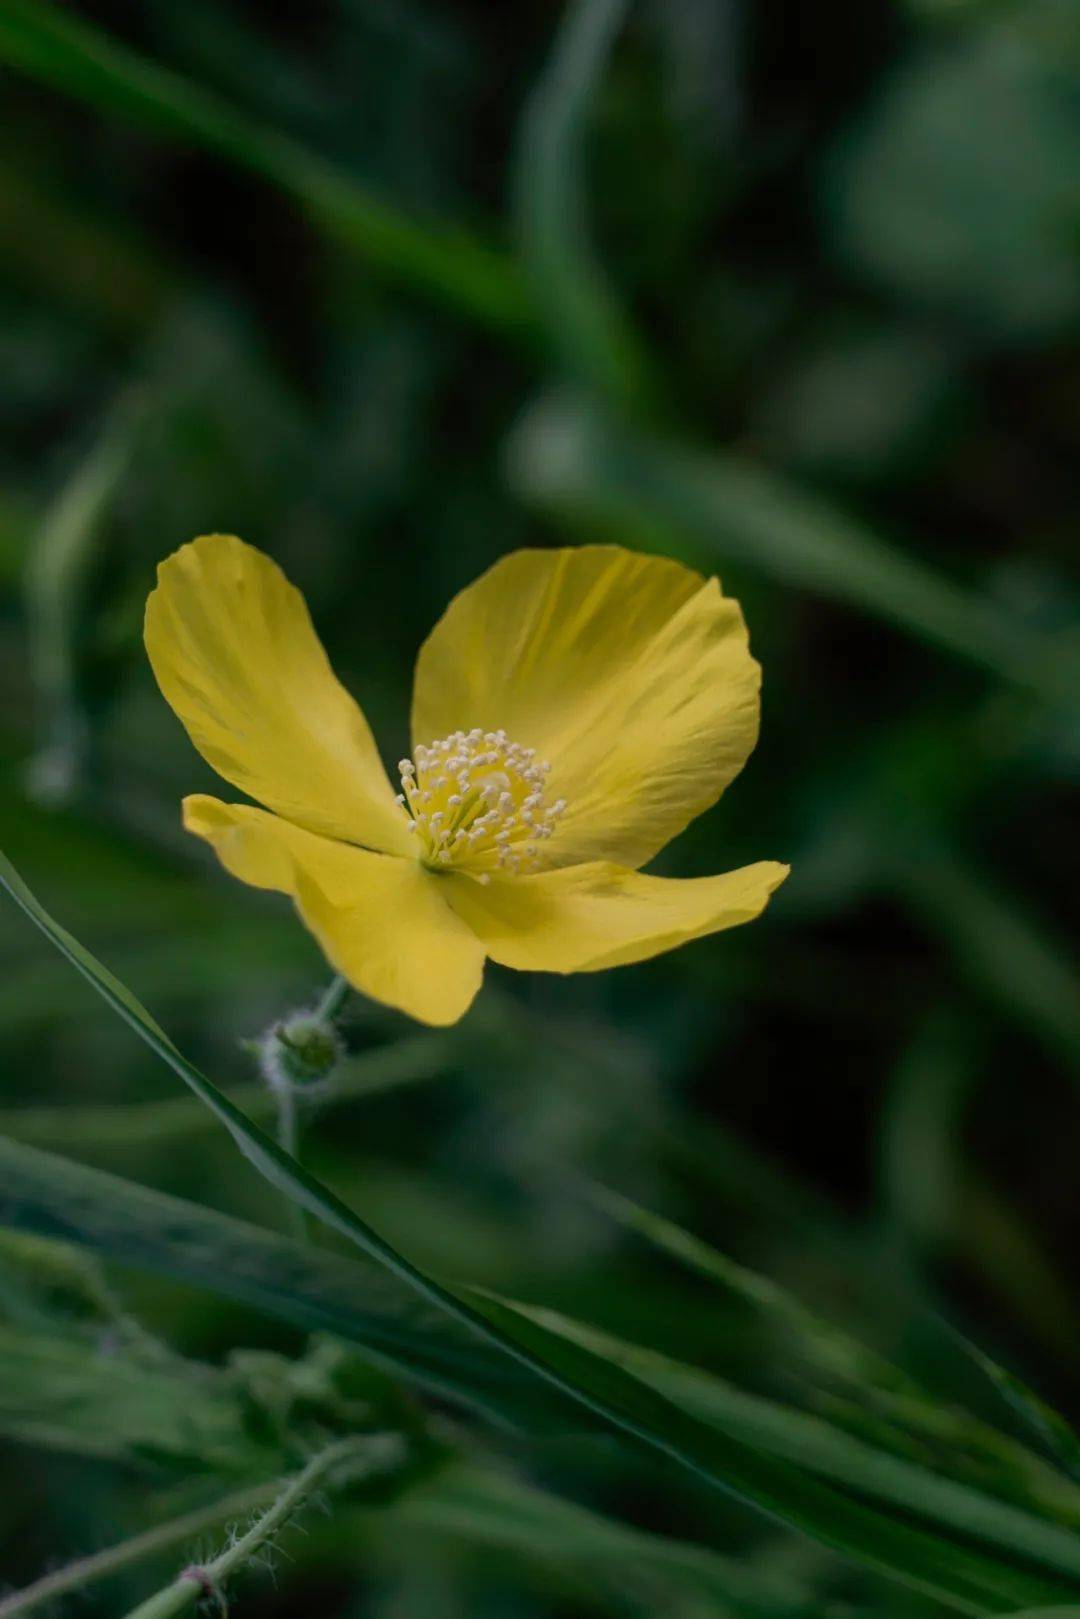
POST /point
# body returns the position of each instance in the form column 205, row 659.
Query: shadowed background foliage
column 390, row 287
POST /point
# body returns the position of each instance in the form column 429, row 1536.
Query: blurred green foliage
column 390, row 287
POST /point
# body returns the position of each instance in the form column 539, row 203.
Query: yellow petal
column 381, row 920
column 233, row 648
column 630, row 674
column 583, row 918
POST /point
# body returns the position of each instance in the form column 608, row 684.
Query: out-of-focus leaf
column 57, row 573
column 826, row 1347
column 444, row 261
column 586, row 328
column 83, row 260
column 658, row 1575
column 51, row 1286
column 996, row 945
column 1047, row 1426
column 1069, row 1611
column 102, row 1401
column 957, row 189
column 919, row 1137
column 860, row 405
column 858, row 1389
column 320, row 1290
column 713, row 507
column 140, row 1124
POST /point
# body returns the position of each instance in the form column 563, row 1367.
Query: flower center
column 476, row 799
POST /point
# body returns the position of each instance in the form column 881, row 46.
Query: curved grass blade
column 308, row 1287
column 825, row 1345
column 959, row 1574
column 585, row 324
column 492, row 1510
column 819, row 1447
column 56, row 574
column 1047, row 1427
column 860, row 1391
column 937, row 1562
column 1000, row 948
column 73, row 57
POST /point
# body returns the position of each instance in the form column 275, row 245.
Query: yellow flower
column 572, row 711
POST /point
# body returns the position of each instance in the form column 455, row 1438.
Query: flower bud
column 300, row 1053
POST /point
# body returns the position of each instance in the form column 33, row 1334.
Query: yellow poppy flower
column 572, row 711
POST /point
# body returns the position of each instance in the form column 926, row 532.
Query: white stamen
column 487, row 798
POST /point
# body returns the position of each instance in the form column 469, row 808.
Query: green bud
column 300, row 1053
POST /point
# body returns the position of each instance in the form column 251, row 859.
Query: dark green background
column 789, row 292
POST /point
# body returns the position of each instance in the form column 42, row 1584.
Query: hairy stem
column 208, row 1579
column 78, row 1575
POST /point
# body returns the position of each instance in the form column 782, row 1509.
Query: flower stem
column 99, row 1565
column 288, row 1134
column 334, row 998
column 327, row 1009
column 207, row 1579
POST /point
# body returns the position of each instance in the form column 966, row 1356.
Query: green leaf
column 857, row 1388
column 826, row 1346
column 955, row 190
column 682, row 1404
column 57, row 571
column 1048, row 1427
column 437, row 259
column 1070, row 1611
column 998, row 946
column 715, row 506
column 100, row 1400
column 960, row 1574
column 497, row 1511
column 309, row 1287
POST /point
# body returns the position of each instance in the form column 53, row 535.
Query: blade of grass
column 1048, row 1427
column 940, row 1564
column 493, row 1510
column 960, row 1575
column 835, row 1352
column 997, row 946
column 821, row 1448
column 310, row 1288
column 826, row 1360
column 434, row 258
column 57, row 570
column 585, row 325
column 319, row 1290
column 136, row 1124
